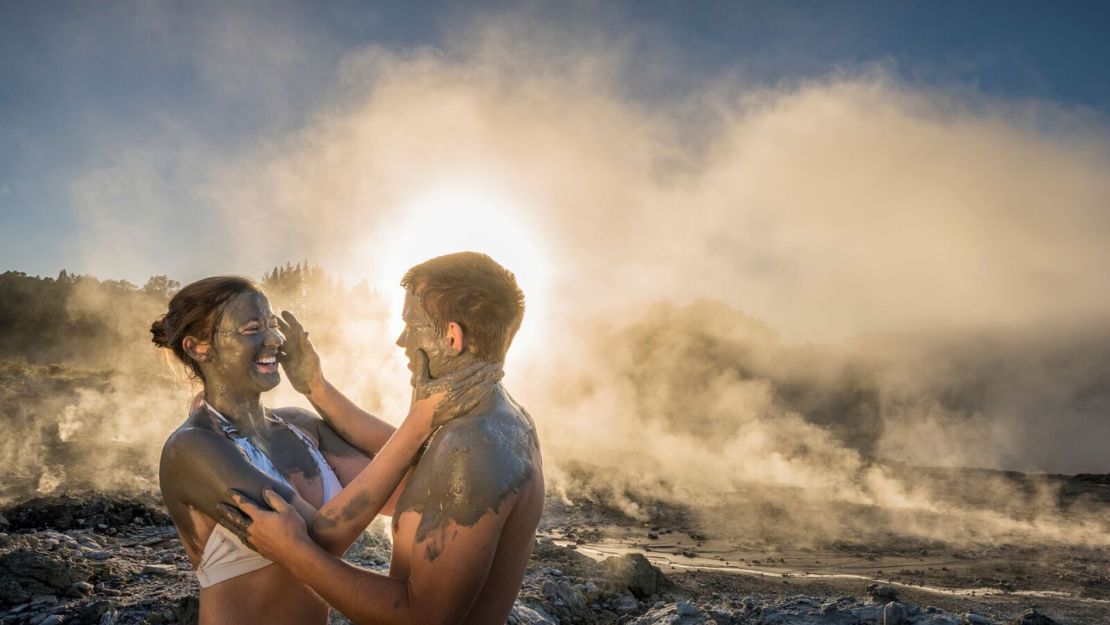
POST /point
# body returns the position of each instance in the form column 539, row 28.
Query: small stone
column 98, row 555
column 84, row 587
column 685, row 608
column 689, row 553
column 972, row 618
column 653, row 535
column 101, row 526
column 53, row 619
column 157, row 569
column 829, row 608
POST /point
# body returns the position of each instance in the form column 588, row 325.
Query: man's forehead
column 413, row 309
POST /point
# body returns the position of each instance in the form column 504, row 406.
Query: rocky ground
column 114, row 559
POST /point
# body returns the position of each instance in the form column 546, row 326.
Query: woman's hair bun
column 159, row 333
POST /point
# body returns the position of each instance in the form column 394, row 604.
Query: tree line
column 80, row 319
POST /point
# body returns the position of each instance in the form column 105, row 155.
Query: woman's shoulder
column 300, row 417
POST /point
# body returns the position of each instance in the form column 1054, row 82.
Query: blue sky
column 82, row 83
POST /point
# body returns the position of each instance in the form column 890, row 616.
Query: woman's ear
column 456, row 340
column 197, row 350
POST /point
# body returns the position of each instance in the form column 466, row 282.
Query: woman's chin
column 268, row 376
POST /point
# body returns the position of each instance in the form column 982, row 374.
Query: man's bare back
column 481, row 474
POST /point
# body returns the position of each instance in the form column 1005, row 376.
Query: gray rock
column 625, row 603
column 669, row 615
column 1033, row 617
column 972, row 618
column 685, row 608
column 83, row 587
column 882, row 593
column 53, row 619
column 98, row 555
column 527, row 615
column 574, row 600
column 894, row 613
column 158, row 569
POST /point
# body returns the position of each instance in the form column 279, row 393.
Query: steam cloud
column 888, row 271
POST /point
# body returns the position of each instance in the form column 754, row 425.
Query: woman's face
column 246, row 344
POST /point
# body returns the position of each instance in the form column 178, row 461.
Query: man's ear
column 456, row 340
column 197, row 350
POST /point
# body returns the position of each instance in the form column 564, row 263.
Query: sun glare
column 456, row 217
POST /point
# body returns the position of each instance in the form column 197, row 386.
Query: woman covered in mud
column 225, row 333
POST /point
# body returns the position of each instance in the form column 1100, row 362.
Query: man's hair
column 475, row 292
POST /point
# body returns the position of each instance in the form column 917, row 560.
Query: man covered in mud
column 466, row 518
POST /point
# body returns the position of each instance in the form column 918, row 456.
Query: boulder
column 634, row 572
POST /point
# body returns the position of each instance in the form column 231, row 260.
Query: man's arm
column 442, row 586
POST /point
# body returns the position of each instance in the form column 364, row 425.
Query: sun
column 459, row 216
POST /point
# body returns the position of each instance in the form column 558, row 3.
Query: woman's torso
column 268, row 593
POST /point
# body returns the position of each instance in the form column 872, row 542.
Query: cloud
column 823, row 209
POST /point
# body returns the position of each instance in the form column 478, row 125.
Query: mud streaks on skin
column 471, row 466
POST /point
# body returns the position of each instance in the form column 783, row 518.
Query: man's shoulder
column 499, row 428
column 473, row 463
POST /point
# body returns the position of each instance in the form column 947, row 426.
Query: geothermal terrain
column 84, row 538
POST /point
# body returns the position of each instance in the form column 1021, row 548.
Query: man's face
column 420, row 335
column 246, row 343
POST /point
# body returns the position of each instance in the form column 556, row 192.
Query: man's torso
column 476, row 467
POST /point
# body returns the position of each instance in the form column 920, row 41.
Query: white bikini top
column 225, row 556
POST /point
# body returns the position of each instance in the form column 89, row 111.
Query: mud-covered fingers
column 235, row 521
column 292, row 322
column 245, row 504
column 275, row 501
column 461, row 403
column 421, row 377
column 233, row 516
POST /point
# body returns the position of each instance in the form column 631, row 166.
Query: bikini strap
column 220, row 421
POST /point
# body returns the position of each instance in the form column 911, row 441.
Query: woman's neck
column 242, row 409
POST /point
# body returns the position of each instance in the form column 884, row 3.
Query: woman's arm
column 339, row 522
column 199, row 467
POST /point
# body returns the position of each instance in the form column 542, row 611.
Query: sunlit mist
column 463, row 215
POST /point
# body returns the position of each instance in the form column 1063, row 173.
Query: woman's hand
column 454, row 394
column 275, row 534
column 298, row 357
